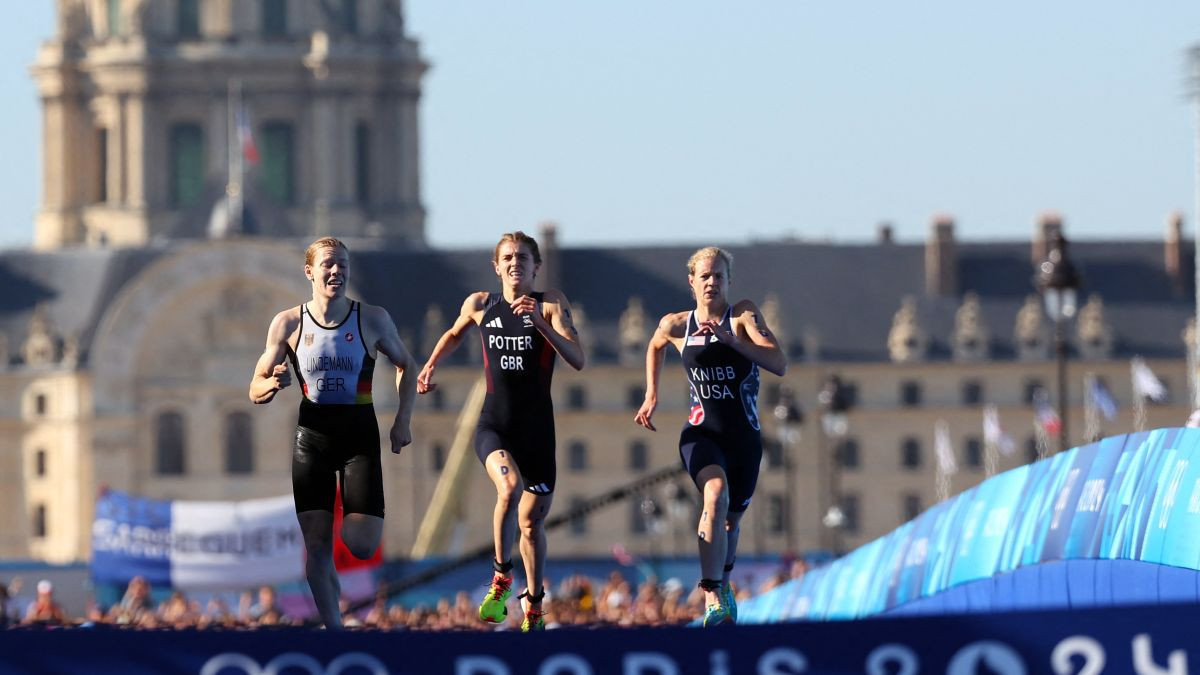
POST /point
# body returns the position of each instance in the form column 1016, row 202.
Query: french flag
column 246, row 136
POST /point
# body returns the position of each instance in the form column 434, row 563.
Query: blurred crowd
column 575, row 601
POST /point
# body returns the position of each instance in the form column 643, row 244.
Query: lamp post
column 834, row 426
column 788, row 419
column 1058, row 282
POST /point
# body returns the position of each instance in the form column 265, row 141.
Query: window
column 239, row 443
column 776, row 513
column 910, row 453
column 101, row 165
column 910, row 506
column 579, row 523
column 576, row 397
column 38, row 526
column 39, row 405
column 113, row 15
column 635, row 396
column 773, row 452
column 187, row 22
column 437, row 455
column 1031, row 387
column 276, row 169
column 274, row 18
column 850, row 394
column 910, row 393
column 849, row 504
column 39, row 463
column 349, row 16
column 362, row 163
column 637, row 519
column 577, row 459
column 847, row 453
column 973, row 453
column 169, row 453
column 187, row 164
column 638, row 456
column 972, row 392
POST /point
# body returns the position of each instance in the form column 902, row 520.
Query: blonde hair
column 710, row 252
column 310, row 254
column 518, row 238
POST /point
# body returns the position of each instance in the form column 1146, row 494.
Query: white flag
column 1145, row 382
column 993, row 433
column 943, row 449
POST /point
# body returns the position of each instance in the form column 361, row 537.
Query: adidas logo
column 494, row 323
column 540, row 488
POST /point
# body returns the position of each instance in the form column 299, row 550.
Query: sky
column 698, row 121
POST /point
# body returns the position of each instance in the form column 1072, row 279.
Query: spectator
column 45, row 609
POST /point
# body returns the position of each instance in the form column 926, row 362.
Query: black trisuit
column 337, row 435
column 722, row 427
column 517, row 413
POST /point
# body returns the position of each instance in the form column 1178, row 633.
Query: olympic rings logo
column 229, row 662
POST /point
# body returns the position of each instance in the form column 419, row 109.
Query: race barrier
column 1159, row 639
column 1112, row 522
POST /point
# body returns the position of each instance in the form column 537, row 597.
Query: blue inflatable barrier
column 1116, row 522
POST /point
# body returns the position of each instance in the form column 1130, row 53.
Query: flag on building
column 994, row 434
column 943, row 449
column 1047, row 417
column 1145, row 382
column 245, row 136
column 1102, row 399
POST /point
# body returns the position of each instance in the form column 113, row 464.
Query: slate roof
column 847, row 294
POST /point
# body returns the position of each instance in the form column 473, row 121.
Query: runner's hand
column 425, row 382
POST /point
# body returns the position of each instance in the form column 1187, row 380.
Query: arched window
column 170, row 451
column 239, row 443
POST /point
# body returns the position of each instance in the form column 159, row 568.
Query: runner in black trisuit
column 722, row 348
column 332, row 343
column 521, row 330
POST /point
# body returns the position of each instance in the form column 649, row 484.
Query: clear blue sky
column 695, row 120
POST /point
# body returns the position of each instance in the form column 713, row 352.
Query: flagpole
column 1194, row 347
column 233, row 184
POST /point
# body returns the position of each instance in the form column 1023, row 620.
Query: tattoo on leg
column 504, row 471
column 702, row 537
column 501, row 452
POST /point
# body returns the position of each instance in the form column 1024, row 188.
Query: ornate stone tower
column 300, row 116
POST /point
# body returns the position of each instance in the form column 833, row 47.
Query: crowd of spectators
column 578, row 601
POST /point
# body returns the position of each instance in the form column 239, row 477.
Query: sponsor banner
column 196, row 545
column 1109, row 640
column 1131, row 499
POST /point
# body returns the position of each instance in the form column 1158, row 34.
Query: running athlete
column 722, row 348
column 522, row 330
column 331, row 342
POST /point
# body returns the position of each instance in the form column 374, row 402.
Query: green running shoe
column 535, row 620
column 729, row 602
column 494, row 609
column 716, row 615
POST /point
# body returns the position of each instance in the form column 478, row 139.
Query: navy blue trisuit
column 517, row 415
column 722, row 426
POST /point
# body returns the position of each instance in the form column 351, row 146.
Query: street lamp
column 834, row 403
column 1058, row 282
column 788, row 419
